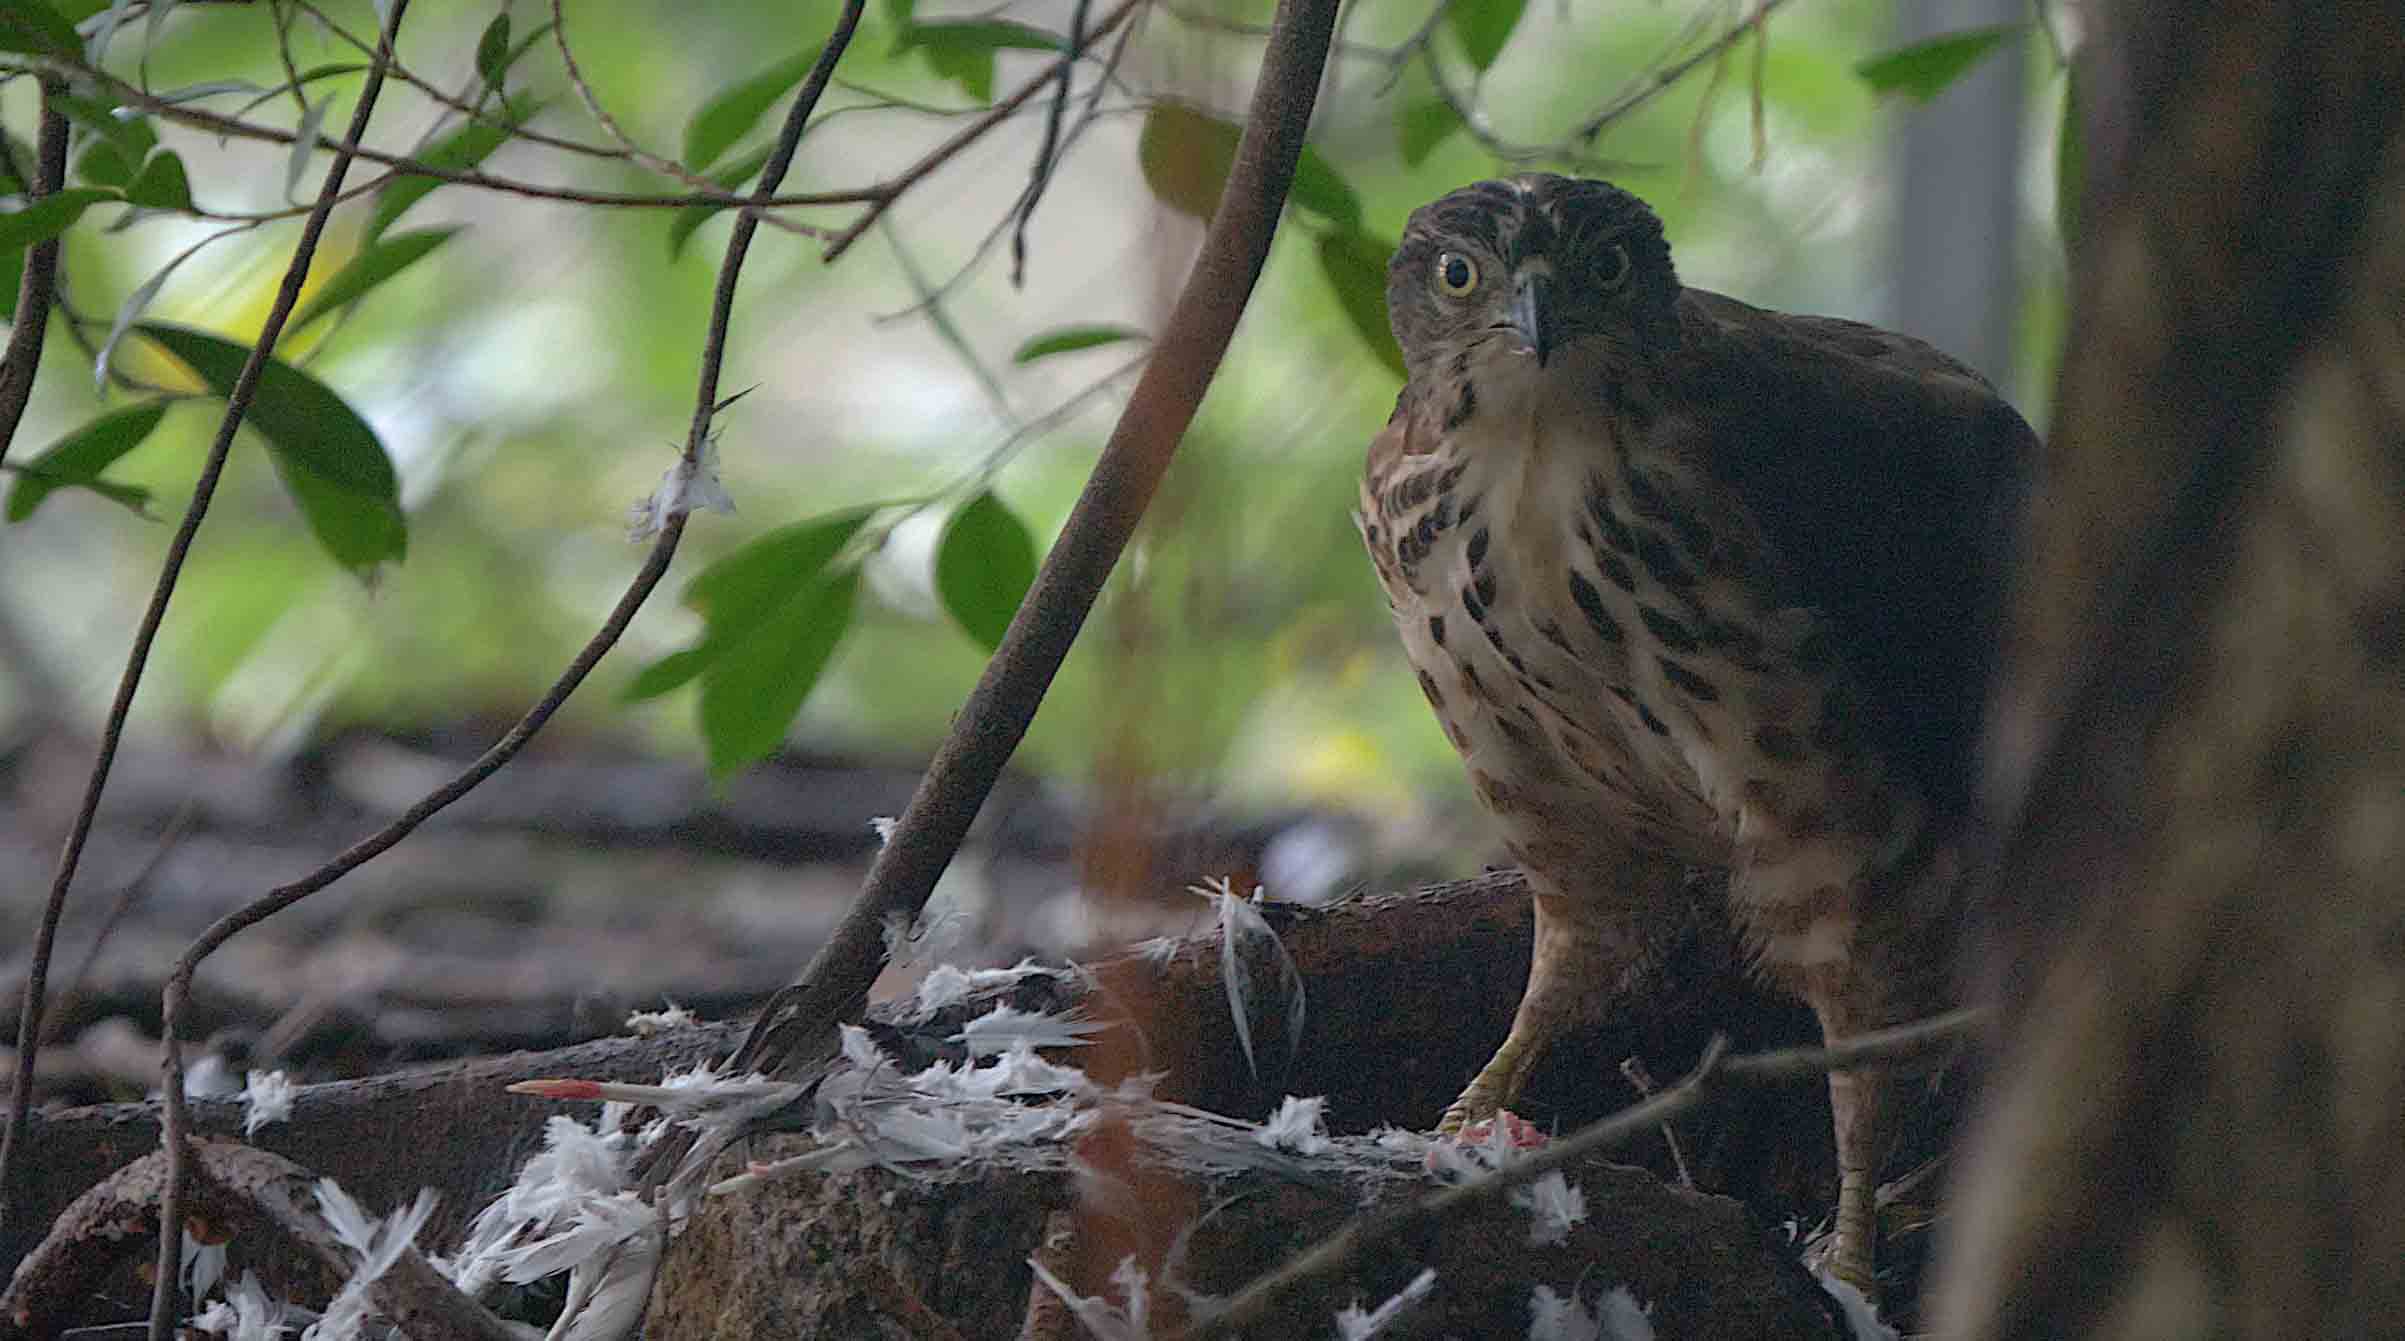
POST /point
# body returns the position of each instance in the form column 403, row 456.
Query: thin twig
column 1040, row 175
column 32, row 317
column 191, row 114
column 1648, row 87
column 666, row 167
column 129, row 895
column 472, row 111
column 1707, row 1081
column 655, row 566
column 16, row 390
column 174, row 1119
column 881, row 197
column 990, row 724
column 1642, row 1079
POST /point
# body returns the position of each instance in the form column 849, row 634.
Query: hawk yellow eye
column 1456, row 274
column 1613, row 272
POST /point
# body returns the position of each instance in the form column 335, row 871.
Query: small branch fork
column 1715, row 1074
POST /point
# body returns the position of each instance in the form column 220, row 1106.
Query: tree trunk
column 2198, row 1122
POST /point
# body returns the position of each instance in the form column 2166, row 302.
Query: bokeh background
column 1236, row 706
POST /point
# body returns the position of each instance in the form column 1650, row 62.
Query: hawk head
column 1530, row 267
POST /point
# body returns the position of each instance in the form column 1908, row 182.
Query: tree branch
column 794, row 1027
column 246, row 386
column 16, row 390
column 32, row 317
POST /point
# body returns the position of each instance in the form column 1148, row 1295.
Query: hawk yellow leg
column 1579, row 954
column 1857, row 1100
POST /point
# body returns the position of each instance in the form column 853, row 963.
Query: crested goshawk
column 1691, row 583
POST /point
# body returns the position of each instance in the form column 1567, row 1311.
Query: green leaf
column 1355, row 265
column 304, row 142
column 734, row 110
column 736, row 593
column 78, row 458
column 1924, row 69
column 201, row 92
column 682, row 224
column 326, row 455
column 1186, row 155
column 136, row 303
column 307, row 77
column 162, row 185
column 102, row 163
column 750, row 696
column 373, row 265
column 1484, row 26
column 2070, row 163
column 983, row 567
column 963, row 50
column 670, row 672
column 48, row 217
column 1421, row 124
column 131, row 133
column 526, row 43
column 1068, row 339
column 132, row 497
column 492, row 50
column 1319, row 189
column 34, row 26
column 459, row 151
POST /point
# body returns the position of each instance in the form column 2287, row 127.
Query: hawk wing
column 1889, row 478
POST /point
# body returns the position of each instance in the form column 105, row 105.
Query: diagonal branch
column 798, row 1022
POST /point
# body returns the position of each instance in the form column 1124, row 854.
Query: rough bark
column 2198, row 1127
column 845, row 1255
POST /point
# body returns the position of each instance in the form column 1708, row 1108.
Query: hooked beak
column 1532, row 314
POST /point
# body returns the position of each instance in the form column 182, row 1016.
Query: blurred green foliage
column 528, row 364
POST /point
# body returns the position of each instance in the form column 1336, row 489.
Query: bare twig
column 1040, row 175
column 881, row 197
column 1647, row 87
column 179, row 982
column 666, row 167
column 174, row 1119
column 990, row 724
column 32, row 316
column 1638, row 1076
column 16, row 389
column 191, row 114
column 472, row 111
column 1707, row 1081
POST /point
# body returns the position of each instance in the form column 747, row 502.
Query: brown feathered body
column 1691, row 583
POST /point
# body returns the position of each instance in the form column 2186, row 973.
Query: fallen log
column 1403, row 996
